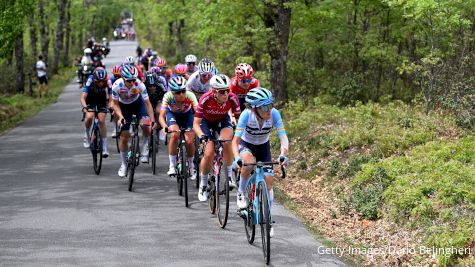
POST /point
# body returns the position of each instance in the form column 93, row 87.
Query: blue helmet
column 99, row 74
column 129, row 72
column 151, row 78
column 177, row 83
column 259, row 97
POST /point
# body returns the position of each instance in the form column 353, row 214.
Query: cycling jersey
column 191, row 72
column 240, row 92
column 128, row 95
column 209, row 109
column 194, row 84
column 96, row 96
column 249, row 130
column 169, row 103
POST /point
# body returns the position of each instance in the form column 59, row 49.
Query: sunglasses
column 206, row 75
column 246, row 80
column 222, row 91
column 179, row 92
column 266, row 107
column 190, row 63
column 129, row 81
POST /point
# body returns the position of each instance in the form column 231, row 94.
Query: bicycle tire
column 222, row 197
column 211, row 195
column 249, row 226
column 197, row 163
column 264, row 221
column 179, row 180
column 153, row 140
column 134, row 147
column 97, row 151
column 117, row 137
column 184, row 173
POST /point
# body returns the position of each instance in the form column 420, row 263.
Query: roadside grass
column 16, row 108
column 387, row 162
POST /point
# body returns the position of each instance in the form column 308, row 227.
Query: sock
column 104, row 143
column 230, row 171
column 190, row 163
column 172, row 160
column 242, row 184
column 145, row 144
column 86, row 133
column 123, row 158
column 204, row 180
column 271, row 196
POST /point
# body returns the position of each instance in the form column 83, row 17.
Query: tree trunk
column 59, row 34
column 179, row 38
column 33, row 36
column 68, row 33
column 44, row 30
column 277, row 16
column 20, row 74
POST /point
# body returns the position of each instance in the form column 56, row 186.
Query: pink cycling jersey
column 209, row 108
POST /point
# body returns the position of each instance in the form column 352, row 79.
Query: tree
column 59, row 34
column 44, row 29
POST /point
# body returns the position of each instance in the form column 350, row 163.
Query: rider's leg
column 103, row 129
column 227, row 134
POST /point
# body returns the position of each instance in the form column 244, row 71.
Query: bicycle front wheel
column 212, row 195
column 197, row 162
column 97, row 150
column 179, row 180
column 222, row 195
column 184, row 173
column 153, row 144
column 117, row 137
column 249, row 225
column 264, row 221
column 132, row 163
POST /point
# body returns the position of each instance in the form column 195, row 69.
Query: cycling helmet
column 129, row 60
column 190, row 58
column 177, row 83
column 259, row 97
column 244, row 71
column 129, row 72
column 180, row 69
column 219, row 81
column 88, row 51
column 206, row 66
column 100, row 74
column 151, row 78
column 116, row 69
column 156, row 70
column 161, row 62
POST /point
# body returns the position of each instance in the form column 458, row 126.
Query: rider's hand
column 154, row 125
column 121, row 121
column 203, row 138
column 284, row 161
column 237, row 163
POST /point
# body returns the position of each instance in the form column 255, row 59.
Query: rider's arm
column 83, row 100
column 161, row 118
column 241, row 125
column 197, row 127
column 148, row 105
column 115, row 106
column 235, row 106
column 279, row 125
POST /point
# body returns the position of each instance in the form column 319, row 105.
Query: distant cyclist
column 243, row 82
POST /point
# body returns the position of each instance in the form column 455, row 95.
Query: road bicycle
column 95, row 138
column 258, row 212
column 182, row 168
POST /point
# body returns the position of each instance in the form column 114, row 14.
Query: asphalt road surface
column 54, row 211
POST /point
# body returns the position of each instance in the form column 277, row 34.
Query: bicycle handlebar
column 261, row 164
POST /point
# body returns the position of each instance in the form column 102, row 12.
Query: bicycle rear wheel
column 152, row 143
column 264, row 221
column 222, row 195
column 212, row 194
column 132, row 163
column 96, row 150
column 249, row 226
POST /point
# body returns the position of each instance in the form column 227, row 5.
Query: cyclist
column 96, row 93
column 251, row 140
column 115, row 73
column 199, row 81
column 177, row 112
column 190, row 64
column 131, row 61
column 243, row 82
column 156, row 89
column 129, row 96
column 213, row 113
column 180, row 70
column 165, row 72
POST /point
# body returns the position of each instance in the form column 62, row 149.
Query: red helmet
column 180, row 69
column 161, row 63
column 116, row 70
column 244, row 71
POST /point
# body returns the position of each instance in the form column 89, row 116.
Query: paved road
column 55, row 211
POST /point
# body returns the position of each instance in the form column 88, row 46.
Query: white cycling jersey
column 128, row 95
column 194, row 84
column 249, row 130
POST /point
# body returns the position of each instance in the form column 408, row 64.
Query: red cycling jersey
column 240, row 92
column 209, row 109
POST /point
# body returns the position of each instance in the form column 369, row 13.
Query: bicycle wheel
column 212, row 194
column 153, row 150
column 184, row 173
column 117, row 137
column 197, row 162
column 249, row 226
column 132, row 159
column 179, row 180
column 222, row 195
column 97, row 150
column 264, row 221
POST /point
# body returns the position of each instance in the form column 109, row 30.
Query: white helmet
column 88, row 51
column 219, row 81
column 129, row 60
column 206, row 66
column 104, row 39
column 190, row 58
